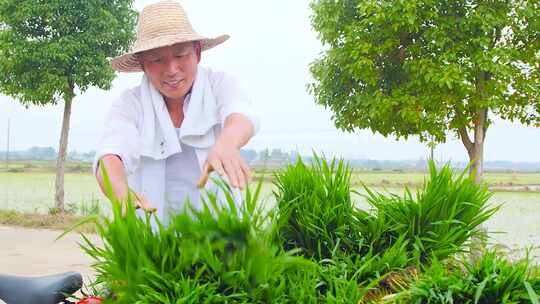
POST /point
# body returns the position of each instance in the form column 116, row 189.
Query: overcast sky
column 271, row 46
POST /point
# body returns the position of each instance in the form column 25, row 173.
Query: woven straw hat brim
column 129, row 62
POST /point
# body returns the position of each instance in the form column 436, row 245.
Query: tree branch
column 469, row 145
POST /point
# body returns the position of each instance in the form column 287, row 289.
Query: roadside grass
column 44, row 221
column 33, row 166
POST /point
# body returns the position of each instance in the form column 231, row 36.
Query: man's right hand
column 141, row 202
column 114, row 169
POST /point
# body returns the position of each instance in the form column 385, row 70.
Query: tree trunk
column 477, row 169
column 476, row 158
column 475, row 149
column 61, row 160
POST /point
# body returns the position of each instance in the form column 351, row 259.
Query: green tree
column 431, row 68
column 52, row 50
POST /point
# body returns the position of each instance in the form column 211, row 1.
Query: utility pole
column 7, row 150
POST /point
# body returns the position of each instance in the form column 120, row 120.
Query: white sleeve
column 120, row 133
column 232, row 98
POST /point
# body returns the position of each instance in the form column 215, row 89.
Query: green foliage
column 491, row 280
column 426, row 67
column 218, row 254
column 93, row 207
column 436, row 222
column 71, row 208
column 315, row 211
column 316, row 214
column 317, row 247
column 54, row 211
column 47, row 48
column 372, row 249
column 84, row 209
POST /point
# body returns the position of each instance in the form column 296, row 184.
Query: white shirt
column 139, row 130
column 181, row 175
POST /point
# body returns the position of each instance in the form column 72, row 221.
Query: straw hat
column 161, row 24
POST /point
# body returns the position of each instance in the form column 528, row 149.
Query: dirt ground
column 35, row 252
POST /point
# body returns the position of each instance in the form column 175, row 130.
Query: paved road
column 33, row 252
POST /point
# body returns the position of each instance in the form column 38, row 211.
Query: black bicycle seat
column 39, row 290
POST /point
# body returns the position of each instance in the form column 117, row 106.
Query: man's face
column 172, row 69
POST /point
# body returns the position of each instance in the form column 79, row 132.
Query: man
column 164, row 137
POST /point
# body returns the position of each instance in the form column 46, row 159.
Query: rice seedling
column 377, row 247
column 316, row 247
column 217, row 254
column 492, row 279
column 437, row 222
column 315, row 211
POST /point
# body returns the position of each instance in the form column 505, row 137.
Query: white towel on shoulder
column 159, row 137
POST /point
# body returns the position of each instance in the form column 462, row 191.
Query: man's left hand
column 226, row 160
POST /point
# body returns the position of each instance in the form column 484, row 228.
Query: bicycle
column 51, row 289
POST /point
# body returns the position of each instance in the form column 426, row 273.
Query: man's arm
column 117, row 177
column 224, row 157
